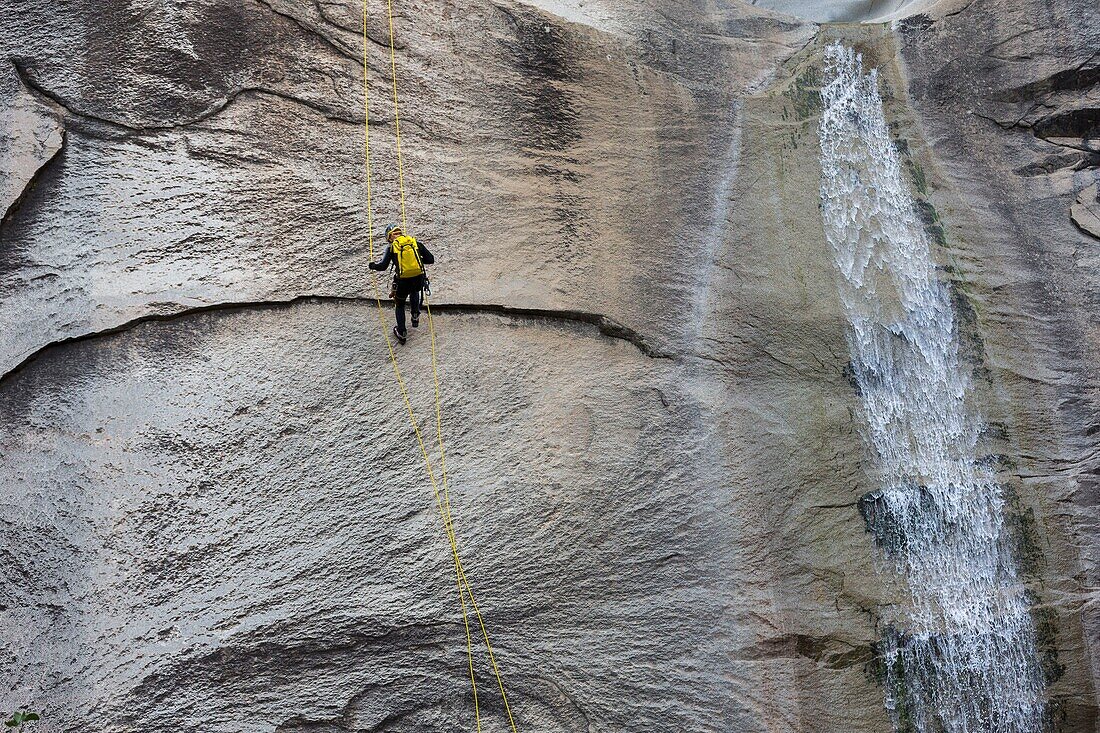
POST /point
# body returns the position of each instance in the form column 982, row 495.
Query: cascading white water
column 961, row 657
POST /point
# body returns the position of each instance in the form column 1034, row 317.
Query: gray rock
column 30, row 136
column 1085, row 211
column 214, row 508
column 998, row 91
column 849, row 11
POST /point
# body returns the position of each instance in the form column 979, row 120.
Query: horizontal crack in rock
column 1036, row 130
column 961, row 10
column 606, row 326
column 35, row 87
column 342, row 50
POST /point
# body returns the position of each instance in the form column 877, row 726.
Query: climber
column 408, row 258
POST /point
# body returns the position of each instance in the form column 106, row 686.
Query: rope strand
column 442, row 497
column 459, row 575
column 397, row 118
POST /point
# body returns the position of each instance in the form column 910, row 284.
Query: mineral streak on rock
column 214, row 515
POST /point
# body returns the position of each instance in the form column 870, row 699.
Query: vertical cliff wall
column 213, row 512
column 1005, row 100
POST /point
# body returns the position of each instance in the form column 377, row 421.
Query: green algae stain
column 916, row 171
column 804, row 93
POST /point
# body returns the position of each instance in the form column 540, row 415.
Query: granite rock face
column 1085, row 211
column 1008, row 100
column 215, row 514
column 32, row 136
column 849, row 11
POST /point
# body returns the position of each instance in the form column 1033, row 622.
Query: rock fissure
column 52, row 97
column 845, row 505
column 960, row 11
column 605, row 325
column 1013, row 37
column 33, row 86
column 32, row 182
column 340, row 49
column 1036, row 130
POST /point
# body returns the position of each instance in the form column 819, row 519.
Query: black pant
column 407, row 288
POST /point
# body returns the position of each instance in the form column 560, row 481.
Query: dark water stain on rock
column 544, row 115
column 914, row 25
column 569, row 206
column 207, row 51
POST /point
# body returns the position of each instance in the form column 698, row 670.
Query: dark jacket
column 388, row 260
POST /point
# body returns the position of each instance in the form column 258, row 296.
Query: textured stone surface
column 546, row 146
column 216, row 517
column 849, row 11
column 30, row 136
column 252, row 526
column 1005, row 96
column 1085, row 211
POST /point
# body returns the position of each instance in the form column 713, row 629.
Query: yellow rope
column 397, row 118
column 442, row 498
column 447, row 518
column 459, row 575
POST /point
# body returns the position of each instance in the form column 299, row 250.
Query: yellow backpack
column 406, row 253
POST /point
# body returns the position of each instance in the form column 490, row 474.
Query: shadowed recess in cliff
column 961, row 657
column 31, row 138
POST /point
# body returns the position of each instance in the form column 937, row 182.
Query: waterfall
column 961, row 656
